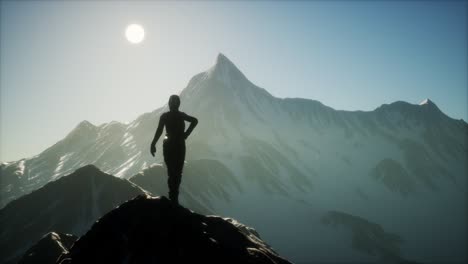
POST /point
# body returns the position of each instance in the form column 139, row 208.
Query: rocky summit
column 154, row 230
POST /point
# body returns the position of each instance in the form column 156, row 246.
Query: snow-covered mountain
column 305, row 174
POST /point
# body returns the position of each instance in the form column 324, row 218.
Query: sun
column 135, row 33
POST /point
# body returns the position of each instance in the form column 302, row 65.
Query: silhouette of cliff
column 154, row 230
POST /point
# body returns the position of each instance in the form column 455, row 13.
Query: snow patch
column 425, row 102
column 60, row 164
column 20, row 170
column 128, row 138
column 127, row 165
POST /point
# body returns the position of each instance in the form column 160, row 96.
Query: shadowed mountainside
column 369, row 237
column 68, row 205
column 48, row 249
column 154, row 230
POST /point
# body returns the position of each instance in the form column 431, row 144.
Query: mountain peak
column 221, row 58
column 83, row 131
column 225, row 71
column 427, row 101
column 430, row 106
column 224, row 62
column 86, row 123
column 84, row 126
column 90, row 168
column 90, row 173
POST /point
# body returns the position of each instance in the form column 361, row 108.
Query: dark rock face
column 154, row 230
column 48, row 249
column 394, row 176
column 369, row 237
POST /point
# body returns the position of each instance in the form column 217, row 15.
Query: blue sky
column 64, row 62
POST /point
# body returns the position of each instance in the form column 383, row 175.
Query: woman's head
column 174, row 102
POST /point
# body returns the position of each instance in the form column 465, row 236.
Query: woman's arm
column 157, row 135
column 193, row 123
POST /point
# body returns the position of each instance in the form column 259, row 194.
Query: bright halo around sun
column 135, row 33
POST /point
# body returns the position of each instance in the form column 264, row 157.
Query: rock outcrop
column 48, row 249
column 154, row 230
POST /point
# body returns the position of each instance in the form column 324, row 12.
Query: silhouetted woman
column 174, row 143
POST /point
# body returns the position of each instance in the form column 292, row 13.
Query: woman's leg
column 174, row 156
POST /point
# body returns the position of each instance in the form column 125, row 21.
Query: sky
column 62, row 62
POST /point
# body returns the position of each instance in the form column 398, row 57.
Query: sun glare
column 135, row 33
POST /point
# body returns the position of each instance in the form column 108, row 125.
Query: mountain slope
column 154, row 230
column 48, row 249
column 68, row 205
column 203, row 181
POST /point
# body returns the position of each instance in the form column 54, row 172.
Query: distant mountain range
column 308, row 177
